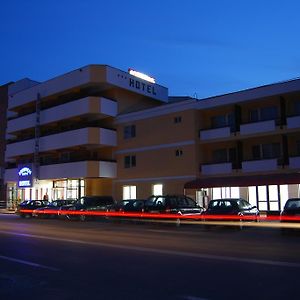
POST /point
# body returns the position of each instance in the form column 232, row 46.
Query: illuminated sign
column 25, row 171
column 25, row 176
column 141, row 75
column 142, row 86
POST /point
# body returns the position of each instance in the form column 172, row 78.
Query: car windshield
column 293, row 204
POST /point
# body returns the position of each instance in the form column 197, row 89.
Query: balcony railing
column 260, row 165
column 293, row 122
column 294, row 162
column 215, row 133
column 216, row 168
column 258, row 127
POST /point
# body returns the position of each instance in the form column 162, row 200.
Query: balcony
column 294, row 162
column 258, row 127
column 260, row 165
column 214, row 169
column 79, row 169
column 293, row 122
column 215, row 133
column 99, row 137
column 89, row 105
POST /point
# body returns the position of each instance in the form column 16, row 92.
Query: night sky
column 194, row 47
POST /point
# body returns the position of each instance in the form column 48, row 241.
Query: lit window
column 157, row 189
column 129, row 192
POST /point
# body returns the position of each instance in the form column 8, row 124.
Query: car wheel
column 22, row 216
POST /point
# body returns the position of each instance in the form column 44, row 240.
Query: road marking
column 161, row 251
column 29, row 263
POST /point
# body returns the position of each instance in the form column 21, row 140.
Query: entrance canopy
column 239, row 181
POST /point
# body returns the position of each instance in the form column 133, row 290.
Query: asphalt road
column 56, row 259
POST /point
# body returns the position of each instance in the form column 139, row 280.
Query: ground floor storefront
column 57, row 189
column 266, row 192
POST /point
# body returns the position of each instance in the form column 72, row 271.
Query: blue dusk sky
column 196, row 48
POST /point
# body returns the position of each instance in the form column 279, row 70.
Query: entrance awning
column 234, row 181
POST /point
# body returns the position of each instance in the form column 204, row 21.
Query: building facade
column 61, row 136
column 244, row 144
column 99, row 130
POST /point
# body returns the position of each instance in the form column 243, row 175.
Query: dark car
column 290, row 213
column 87, row 207
column 26, row 208
column 173, row 204
column 231, row 209
column 130, row 205
column 52, row 209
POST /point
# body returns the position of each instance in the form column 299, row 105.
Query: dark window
column 266, row 151
column 253, row 115
column 232, row 154
column 177, row 119
column 129, row 161
column 298, row 147
column 268, row 113
column 178, row 152
column 297, row 108
column 271, row 150
column 220, row 155
column 263, row 114
column 129, row 132
column 218, row 121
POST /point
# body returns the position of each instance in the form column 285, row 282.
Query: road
column 56, row 259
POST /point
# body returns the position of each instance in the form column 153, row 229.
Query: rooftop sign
column 141, row 75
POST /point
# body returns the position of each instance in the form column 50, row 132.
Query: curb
column 7, row 212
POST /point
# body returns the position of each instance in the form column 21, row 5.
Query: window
column 263, row 114
column 297, row 108
column 220, row 155
column 177, row 119
column 298, row 147
column 218, row 121
column 178, row 152
column 65, row 156
column 254, row 115
column 266, row 151
column 129, row 161
column 256, row 152
column 223, row 121
column 129, row 132
column 129, row 192
column 271, row 150
column 157, row 189
column 268, row 113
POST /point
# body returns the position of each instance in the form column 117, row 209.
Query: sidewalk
column 6, row 211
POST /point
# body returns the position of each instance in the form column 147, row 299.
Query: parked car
column 130, row 205
column 172, row 204
column 87, row 205
column 52, row 209
column 290, row 213
column 26, row 208
column 231, row 209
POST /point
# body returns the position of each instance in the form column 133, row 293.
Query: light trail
column 198, row 219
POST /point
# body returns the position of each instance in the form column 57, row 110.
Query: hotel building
column 99, row 130
column 61, row 134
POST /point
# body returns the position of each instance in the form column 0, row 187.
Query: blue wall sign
column 25, row 176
